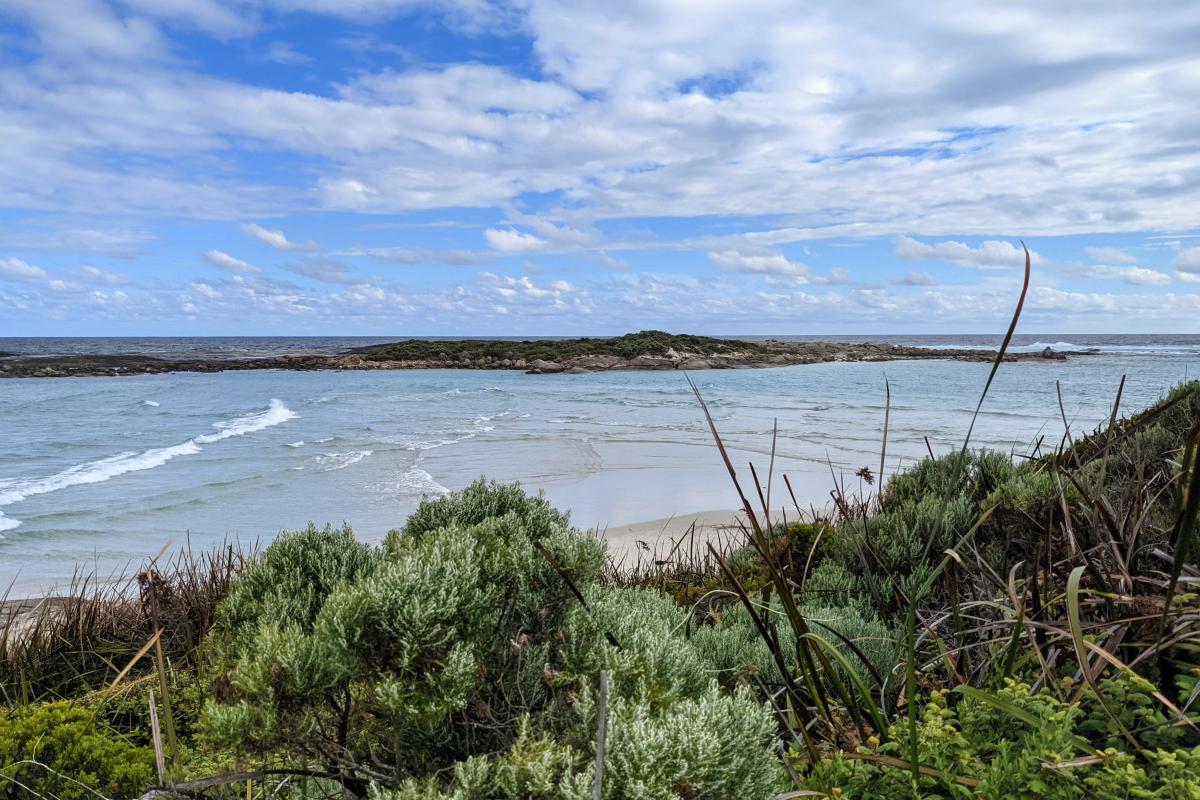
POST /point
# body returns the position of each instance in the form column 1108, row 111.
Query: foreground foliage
column 979, row 627
column 65, row 751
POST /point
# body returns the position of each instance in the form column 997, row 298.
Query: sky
column 470, row 167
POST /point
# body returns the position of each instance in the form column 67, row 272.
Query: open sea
column 103, row 472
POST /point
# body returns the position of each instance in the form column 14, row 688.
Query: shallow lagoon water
column 106, row 471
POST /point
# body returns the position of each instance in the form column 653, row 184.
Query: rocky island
column 647, row 350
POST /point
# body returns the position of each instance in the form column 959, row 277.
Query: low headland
column 646, row 350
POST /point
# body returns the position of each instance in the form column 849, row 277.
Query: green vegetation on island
column 975, row 627
column 631, row 345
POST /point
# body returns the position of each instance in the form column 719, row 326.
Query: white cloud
column 989, row 254
column 14, row 269
column 508, row 292
column 758, row 263
column 326, row 271
column 838, row 276
column 1188, row 260
column 284, row 53
column 96, row 275
column 918, row 279
column 277, row 239
column 1110, row 255
column 1135, row 276
column 510, row 240
column 222, row 260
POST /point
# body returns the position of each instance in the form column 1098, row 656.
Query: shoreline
column 755, row 356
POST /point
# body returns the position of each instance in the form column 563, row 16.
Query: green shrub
column 432, row 654
column 733, row 648
column 483, row 500
column 977, row 750
column 655, row 658
column 77, row 755
column 292, row 578
column 715, row 745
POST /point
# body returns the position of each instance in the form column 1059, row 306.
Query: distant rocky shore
column 649, row 350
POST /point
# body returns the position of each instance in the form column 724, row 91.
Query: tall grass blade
column 1184, row 536
column 1081, row 652
column 887, row 413
column 1003, row 349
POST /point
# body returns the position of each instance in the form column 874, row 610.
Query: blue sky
column 389, row 167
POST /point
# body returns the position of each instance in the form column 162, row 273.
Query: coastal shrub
column 653, row 658
column 482, row 500
column 831, row 584
column 715, row 745
column 1016, row 745
column 291, row 580
column 733, row 648
column 419, row 656
column 63, row 750
column 895, row 550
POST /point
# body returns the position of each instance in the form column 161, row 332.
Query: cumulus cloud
column 284, row 53
column 1188, row 260
column 838, row 276
column 1110, row 255
column 222, row 260
column 523, row 291
column 918, row 279
column 414, row 255
column 326, row 271
column 277, row 239
column 510, row 240
column 14, row 269
column 96, row 275
column 759, row 264
column 989, row 254
column 1135, row 276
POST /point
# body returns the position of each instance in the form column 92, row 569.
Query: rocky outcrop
column 543, row 367
column 758, row 354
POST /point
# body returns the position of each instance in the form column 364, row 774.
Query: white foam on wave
column 329, row 462
column 14, row 491
column 151, row 403
column 274, row 414
column 1058, row 347
column 418, row 480
column 295, row 444
column 477, row 426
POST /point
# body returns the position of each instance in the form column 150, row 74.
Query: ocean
column 100, row 473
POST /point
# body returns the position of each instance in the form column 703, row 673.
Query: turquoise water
column 105, row 471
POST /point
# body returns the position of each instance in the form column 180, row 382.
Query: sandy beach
column 659, row 538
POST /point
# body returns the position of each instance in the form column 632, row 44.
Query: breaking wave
column 14, row 491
